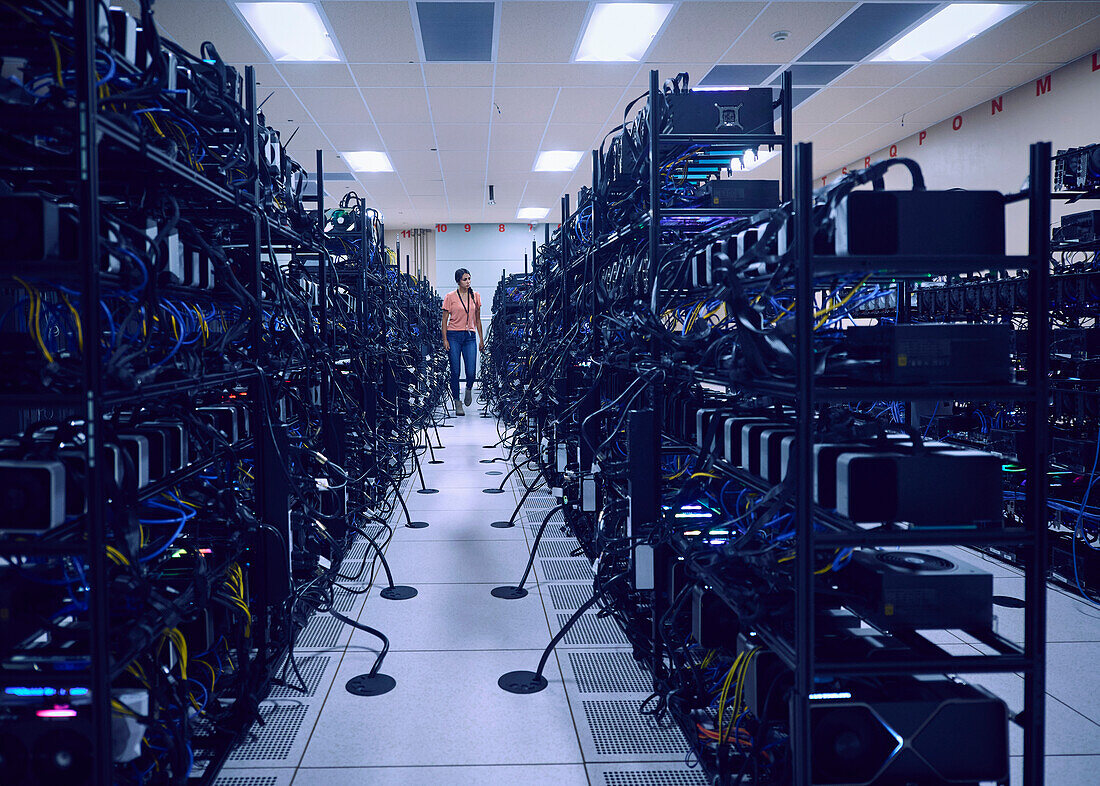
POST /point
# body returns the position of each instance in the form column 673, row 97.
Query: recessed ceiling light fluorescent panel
column 558, row 160
column 947, row 29
column 368, row 161
column 291, row 32
column 532, row 213
column 621, row 32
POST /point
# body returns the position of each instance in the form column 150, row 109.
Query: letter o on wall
column 956, row 122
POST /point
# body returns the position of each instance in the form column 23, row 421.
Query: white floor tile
column 457, row 617
column 457, row 561
column 446, row 709
column 1068, row 620
column 1068, row 770
column 528, row 775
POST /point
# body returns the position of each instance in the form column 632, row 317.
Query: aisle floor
column 447, row 721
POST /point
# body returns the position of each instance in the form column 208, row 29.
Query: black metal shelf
column 130, row 143
column 910, row 266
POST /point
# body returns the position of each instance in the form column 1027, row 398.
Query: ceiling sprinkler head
column 781, row 35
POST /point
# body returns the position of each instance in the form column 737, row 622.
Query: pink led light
column 61, row 711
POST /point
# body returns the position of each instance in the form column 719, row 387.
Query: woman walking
column 461, row 317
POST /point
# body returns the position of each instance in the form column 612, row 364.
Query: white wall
column 485, row 250
column 986, row 147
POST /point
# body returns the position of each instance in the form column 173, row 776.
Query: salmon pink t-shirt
column 464, row 312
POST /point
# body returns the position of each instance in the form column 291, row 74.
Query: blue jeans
column 463, row 344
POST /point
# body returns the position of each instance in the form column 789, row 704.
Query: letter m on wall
column 1042, row 85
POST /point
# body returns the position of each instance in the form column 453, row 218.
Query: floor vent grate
column 534, row 504
column 312, row 668
column 344, row 601
column 246, row 780
column 569, row 596
column 609, row 672
column 274, row 740
column 653, row 778
column 591, row 630
column 557, row 548
column 322, row 632
column 565, row 569
column 619, row 729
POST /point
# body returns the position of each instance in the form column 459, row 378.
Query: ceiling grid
column 448, row 147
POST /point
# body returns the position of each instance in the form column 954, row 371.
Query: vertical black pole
column 785, row 109
column 525, row 263
column 322, row 260
column 596, row 217
column 564, row 238
column 88, row 163
column 1038, row 327
column 655, row 106
column 804, row 562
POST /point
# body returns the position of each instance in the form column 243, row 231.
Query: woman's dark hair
column 460, row 273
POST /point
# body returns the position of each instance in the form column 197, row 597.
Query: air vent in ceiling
column 737, row 75
column 865, row 30
column 456, row 32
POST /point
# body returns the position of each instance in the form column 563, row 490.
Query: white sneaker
column 458, row 407
column 469, row 396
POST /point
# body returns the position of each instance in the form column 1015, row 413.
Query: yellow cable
column 33, row 312
column 57, row 61
column 824, row 313
column 76, row 319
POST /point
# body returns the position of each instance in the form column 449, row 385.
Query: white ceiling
column 451, row 129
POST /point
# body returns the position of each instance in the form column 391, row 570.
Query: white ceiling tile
column 459, row 104
column 397, row 105
column 585, row 104
column 307, row 140
column 543, row 32
column 1013, row 75
column 508, row 164
column 458, row 74
column 879, row 74
column 316, row 74
column 387, row 74
column 430, row 204
column 702, row 31
column 334, row 104
column 374, row 32
column 1023, row 31
column 894, row 103
column 415, row 163
column 833, row 103
column 353, row 136
column 947, row 75
column 958, row 100
column 523, row 105
column 180, row 20
column 267, row 76
column 568, row 74
column 805, row 21
column 281, row 106
column 695, row 70
column 455, row 162
column 1067, row 48
column 463, row 137
column 569, row 136
column 380, row 182
column 839, row 135
column 516, row 136
column 407, row 136
column 424, row 186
